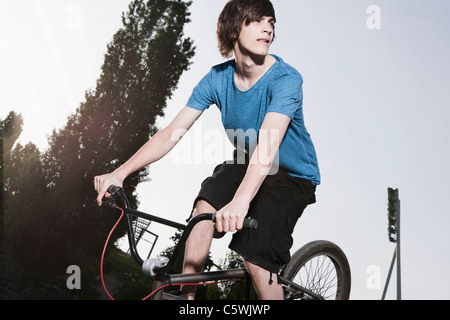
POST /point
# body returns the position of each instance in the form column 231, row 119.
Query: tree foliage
column 53, row 219
column 10, row 129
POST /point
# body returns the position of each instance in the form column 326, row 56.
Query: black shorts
column 277, row 206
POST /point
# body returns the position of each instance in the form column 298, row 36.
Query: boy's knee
column 203, row 206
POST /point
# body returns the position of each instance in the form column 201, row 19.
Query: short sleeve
column 287, row 95
column 201, row 97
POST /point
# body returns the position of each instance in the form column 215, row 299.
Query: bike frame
column 162, row 274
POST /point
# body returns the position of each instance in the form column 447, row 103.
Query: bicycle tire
column 320, row 266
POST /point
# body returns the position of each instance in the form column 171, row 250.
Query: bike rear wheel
column 322, row 267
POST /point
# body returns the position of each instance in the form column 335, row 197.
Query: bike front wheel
column 321, row 267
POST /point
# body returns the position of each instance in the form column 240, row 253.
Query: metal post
column 389, row 274
column 394, row 236
column 399, row 280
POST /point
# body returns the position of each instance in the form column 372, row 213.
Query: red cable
column 184, row 284
column 104, row 250
column 155, row 291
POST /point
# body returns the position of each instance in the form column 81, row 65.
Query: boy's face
column 257, row 37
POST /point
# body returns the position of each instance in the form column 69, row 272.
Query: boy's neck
column 250, row 69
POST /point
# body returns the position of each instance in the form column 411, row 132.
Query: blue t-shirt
column 278, row 90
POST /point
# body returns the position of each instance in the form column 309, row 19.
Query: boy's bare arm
column 273, row 129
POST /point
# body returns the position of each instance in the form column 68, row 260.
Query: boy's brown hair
column 234, row 15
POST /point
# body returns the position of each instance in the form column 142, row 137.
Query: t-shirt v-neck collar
column 261, row 79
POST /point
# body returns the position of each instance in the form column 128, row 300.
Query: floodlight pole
column 389, row 274
column 399, row 279
column 394, row 236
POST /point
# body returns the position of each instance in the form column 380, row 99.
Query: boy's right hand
column 103, row 182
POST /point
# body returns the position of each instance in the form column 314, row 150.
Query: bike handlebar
column 117, row 192
column 114, row 190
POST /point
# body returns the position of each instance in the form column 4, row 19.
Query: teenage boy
column 277, row 176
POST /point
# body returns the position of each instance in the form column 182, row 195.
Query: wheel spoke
column 320, row 267
column 319, row 275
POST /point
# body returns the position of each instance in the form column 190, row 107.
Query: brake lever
column 110, row 202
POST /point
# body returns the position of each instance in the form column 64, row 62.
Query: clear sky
column 375, row 102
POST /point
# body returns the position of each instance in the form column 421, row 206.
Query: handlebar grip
column 110, row 202
column 248, row 223
column 112, row 190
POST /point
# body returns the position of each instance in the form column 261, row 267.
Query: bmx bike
column 317, row 271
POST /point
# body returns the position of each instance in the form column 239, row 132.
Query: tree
column 142, row 66
column 28, row 237
column 10, row 129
